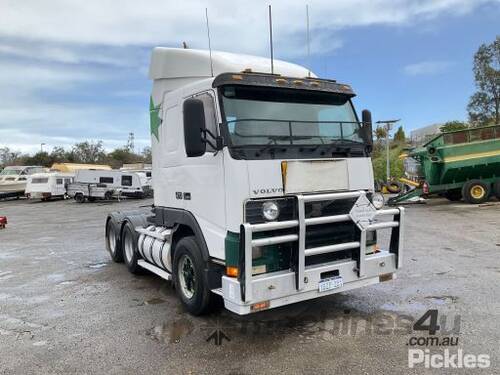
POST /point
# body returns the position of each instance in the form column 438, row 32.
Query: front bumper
column 301, row 282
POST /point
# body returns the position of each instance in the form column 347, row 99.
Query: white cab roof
column 171, row 63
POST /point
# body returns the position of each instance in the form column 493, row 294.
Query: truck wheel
column 113, row 242
column 189, row 277
column 476, row 192
column 453, row 195
column 129, row 245
column 496, row 189
column 79, row 198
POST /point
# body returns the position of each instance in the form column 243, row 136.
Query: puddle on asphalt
column 172, row 332
column 442, row 300
column 97, row 265
column 154, row 301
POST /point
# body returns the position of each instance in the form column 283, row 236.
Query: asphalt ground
column 66, row 308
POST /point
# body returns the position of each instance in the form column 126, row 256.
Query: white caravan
column 90, row 184
column 13, row 179
column 144, row 171
column 46, row 186
column 263, row 183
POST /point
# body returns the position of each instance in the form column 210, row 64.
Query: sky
column 77, row 70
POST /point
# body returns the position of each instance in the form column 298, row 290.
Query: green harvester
column 462, row 164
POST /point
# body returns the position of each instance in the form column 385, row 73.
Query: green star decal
column 154, row 118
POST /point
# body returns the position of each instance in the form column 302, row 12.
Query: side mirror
column 194, row 127
column 367, row 130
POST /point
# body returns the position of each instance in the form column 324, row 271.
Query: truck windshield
column 262, row 116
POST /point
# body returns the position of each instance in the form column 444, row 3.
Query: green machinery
column 459, row 164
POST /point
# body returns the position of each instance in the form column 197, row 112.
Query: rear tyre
column 190, row 278
column 130, row 252
column 79, row 198
column 496, row 189
column 113, row 243
column 453, row 195
column 476, row 192
column 108, row 195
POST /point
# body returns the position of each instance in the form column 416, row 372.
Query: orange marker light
column 232, row 271
column 260, row 306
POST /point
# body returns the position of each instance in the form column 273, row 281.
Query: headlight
column 270, row 210
column 378, row 200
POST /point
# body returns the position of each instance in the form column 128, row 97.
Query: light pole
column 41, row 146
column 388, row 126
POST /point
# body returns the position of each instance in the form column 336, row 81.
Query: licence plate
column 330, row 283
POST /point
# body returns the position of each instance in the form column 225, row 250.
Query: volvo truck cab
column 264, row 191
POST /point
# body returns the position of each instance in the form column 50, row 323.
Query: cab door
column 203, row 187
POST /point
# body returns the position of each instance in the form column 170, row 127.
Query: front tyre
column 190, row 278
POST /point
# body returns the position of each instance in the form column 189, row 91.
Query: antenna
column 209, row 45
column 271, row 39
column 308, row 44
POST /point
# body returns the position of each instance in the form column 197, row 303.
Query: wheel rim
column 186, row 275
column 111, row 239
column 477, row 192
column 129, row 247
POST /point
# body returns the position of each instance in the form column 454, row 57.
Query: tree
column 87, row 152
column 400, row 136
column 121, row 156
column 147, row 154
column 7, row 156
column 40, row 158
column 484, row 105
column 380, row 132
column 453, row 125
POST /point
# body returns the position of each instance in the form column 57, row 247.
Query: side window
column 126, row 180
column 105, row 180
column 59, row 181
column 210, row 116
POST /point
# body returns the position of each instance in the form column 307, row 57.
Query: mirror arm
column 214, row 137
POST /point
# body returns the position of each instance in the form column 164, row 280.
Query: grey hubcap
column 187, row 278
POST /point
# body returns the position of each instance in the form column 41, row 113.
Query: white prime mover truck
column 263, row 186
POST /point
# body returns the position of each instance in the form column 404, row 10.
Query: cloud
column 234, row 25
column 67, row 66
column 426, row 68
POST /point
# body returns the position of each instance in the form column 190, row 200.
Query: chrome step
column 156, row 270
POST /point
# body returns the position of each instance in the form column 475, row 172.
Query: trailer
column 264, row 191
column 91, row 185
column 49, row 185
column 457, row 165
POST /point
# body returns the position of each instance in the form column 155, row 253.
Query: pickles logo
column 439, row 338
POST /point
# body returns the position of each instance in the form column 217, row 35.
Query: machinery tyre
column 393, row 187
column 476, row 192
column 190, row 278
column 496, row 189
